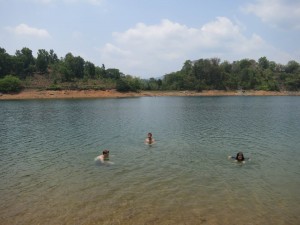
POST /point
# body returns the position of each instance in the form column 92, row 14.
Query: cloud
column 284, row 14
column 153, row 50
column 25, row 30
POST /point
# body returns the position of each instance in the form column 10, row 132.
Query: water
column 48, row 174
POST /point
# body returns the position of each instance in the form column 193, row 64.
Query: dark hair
column 237, row 156
column 105, row 152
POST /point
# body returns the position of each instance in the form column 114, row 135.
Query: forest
column 49, row 72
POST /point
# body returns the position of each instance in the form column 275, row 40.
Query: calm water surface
column 48, row 174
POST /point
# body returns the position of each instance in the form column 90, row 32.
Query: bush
column 54, row 87
column 123, row 86
column 10, row 84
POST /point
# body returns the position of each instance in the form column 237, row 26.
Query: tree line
column 202, row 74
column 245, row 74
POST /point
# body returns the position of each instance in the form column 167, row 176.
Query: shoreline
column 73, row 94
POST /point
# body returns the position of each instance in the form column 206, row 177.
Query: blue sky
column 146, row 38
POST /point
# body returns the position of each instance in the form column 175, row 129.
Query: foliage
column 128, row 83
column 245, row 74
column 42, row 61
column 201, row 74
column 10, row 84
column 5, row 63
column 25, row 62
column 54, row 87
column 89, row 70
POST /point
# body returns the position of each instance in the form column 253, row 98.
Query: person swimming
column 149, row 140
column 239, row 157
column 104, row 156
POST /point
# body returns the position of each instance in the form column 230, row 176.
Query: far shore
column 69, row 94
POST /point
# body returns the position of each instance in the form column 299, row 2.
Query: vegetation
column 246, row 74
column 47, row 71
column 10, row 84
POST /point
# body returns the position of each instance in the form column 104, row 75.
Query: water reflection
column 49, row 176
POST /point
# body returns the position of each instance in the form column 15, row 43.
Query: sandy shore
column 67, row 94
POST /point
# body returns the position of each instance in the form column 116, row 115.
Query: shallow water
column 48, row 173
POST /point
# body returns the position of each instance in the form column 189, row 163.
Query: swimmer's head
column 105, row 152
column 240, row 156
column 150, row 135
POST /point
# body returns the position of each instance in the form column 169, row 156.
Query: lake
column 49, row 175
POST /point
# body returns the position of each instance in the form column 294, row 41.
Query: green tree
column 72, row 67
column 78, row 67
column 5, row 63
column 293, row 82
column 292, row 67
column 122, row 85
column 263, row 63
column 65, row 71
column 174, row 81
column 128, row 83
column 187, row 68
column 227, row 79
column 100, row 72
column 10, row 84
column 113, row 73
column 42, row 61
column 89, row 70
column 24, row 62
column 53, row 57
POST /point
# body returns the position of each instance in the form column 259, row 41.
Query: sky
column 151, row 38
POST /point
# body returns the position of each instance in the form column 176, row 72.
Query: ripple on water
column 49, row 176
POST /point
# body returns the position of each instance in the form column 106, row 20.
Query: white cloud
column 283, row 14
column 25, row 30
column 162, row 48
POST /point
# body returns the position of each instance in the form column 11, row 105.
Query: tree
column 25, row 59
column 263, row 63
column 10, row 84
column 173, row 81
column 113, row 74
column 5, row 63
column 100, row 72
column 122, row 85
column 187, row 67
column 42, row 61
column 89, row 70
column 128, row 83
column 293, row 82
column 72, row 67
column 78, row 67
column 53, row 57
column 292, row 67
column 227, row 79
column 248, row 78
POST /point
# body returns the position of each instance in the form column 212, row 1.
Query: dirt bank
column 66, row 94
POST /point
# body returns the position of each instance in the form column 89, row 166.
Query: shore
column 69, row 94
